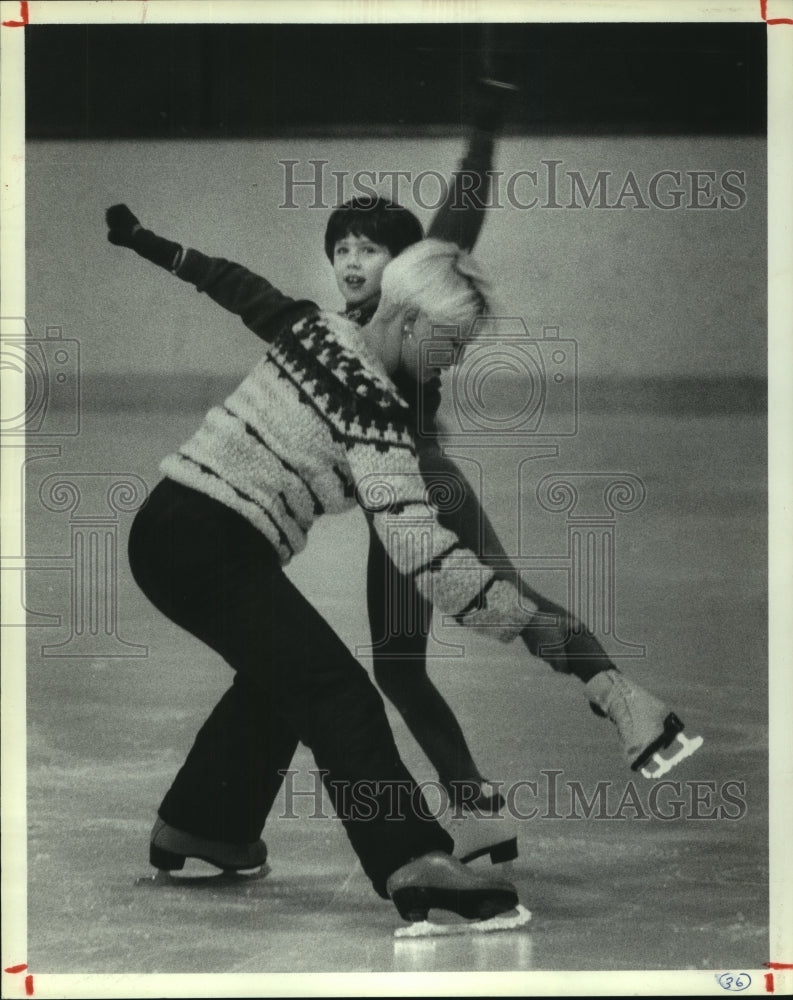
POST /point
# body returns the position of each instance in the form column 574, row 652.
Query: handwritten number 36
column 729, row 981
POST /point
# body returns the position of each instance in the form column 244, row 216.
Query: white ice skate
column 651, row 735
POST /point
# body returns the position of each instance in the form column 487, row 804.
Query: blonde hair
column 438, row 279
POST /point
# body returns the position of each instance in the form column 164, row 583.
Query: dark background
column 248, row 80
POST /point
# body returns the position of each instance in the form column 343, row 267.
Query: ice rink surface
column 634, row 888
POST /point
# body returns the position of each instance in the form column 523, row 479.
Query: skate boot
column 169, row 848
column 491, row 100
column 439, row 881
column 478, row 824
column 645, row 726
column 499, row 70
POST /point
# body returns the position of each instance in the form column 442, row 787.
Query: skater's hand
column 564, row 642
column 552, row 634
column 125, row 231
column 122, row 225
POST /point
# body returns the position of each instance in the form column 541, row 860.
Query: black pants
column 211, row 572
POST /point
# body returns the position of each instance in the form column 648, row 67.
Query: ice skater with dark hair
column 358, row 236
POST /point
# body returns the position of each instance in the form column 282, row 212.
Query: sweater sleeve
column 461, row 216
column 391, row 488
column 261, row 307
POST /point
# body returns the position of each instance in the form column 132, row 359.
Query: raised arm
column 261, row 307
column 461, row 216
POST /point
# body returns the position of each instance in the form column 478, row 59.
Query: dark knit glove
column 568, row 647
column 124, row 230
column 122, row 225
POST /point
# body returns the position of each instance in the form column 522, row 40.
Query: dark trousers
column 211, row 572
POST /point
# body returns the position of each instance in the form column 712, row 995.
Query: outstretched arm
column 555, row 635
column 260, row 306
column 390, row 486
column 551, row 627
column 461, row 216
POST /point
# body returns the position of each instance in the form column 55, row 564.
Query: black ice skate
column 437, row 881
column 169, row 848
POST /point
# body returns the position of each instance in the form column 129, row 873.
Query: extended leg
column 400, row 636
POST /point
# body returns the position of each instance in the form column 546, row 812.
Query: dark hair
column 377, row 219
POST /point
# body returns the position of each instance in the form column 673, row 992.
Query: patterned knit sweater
column 317, row 427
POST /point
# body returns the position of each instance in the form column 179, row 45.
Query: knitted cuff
column 155, row 248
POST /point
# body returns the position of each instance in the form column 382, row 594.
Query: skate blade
column 500, row 84
column 663, row 765
column 503, row 922
column 207, row 877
